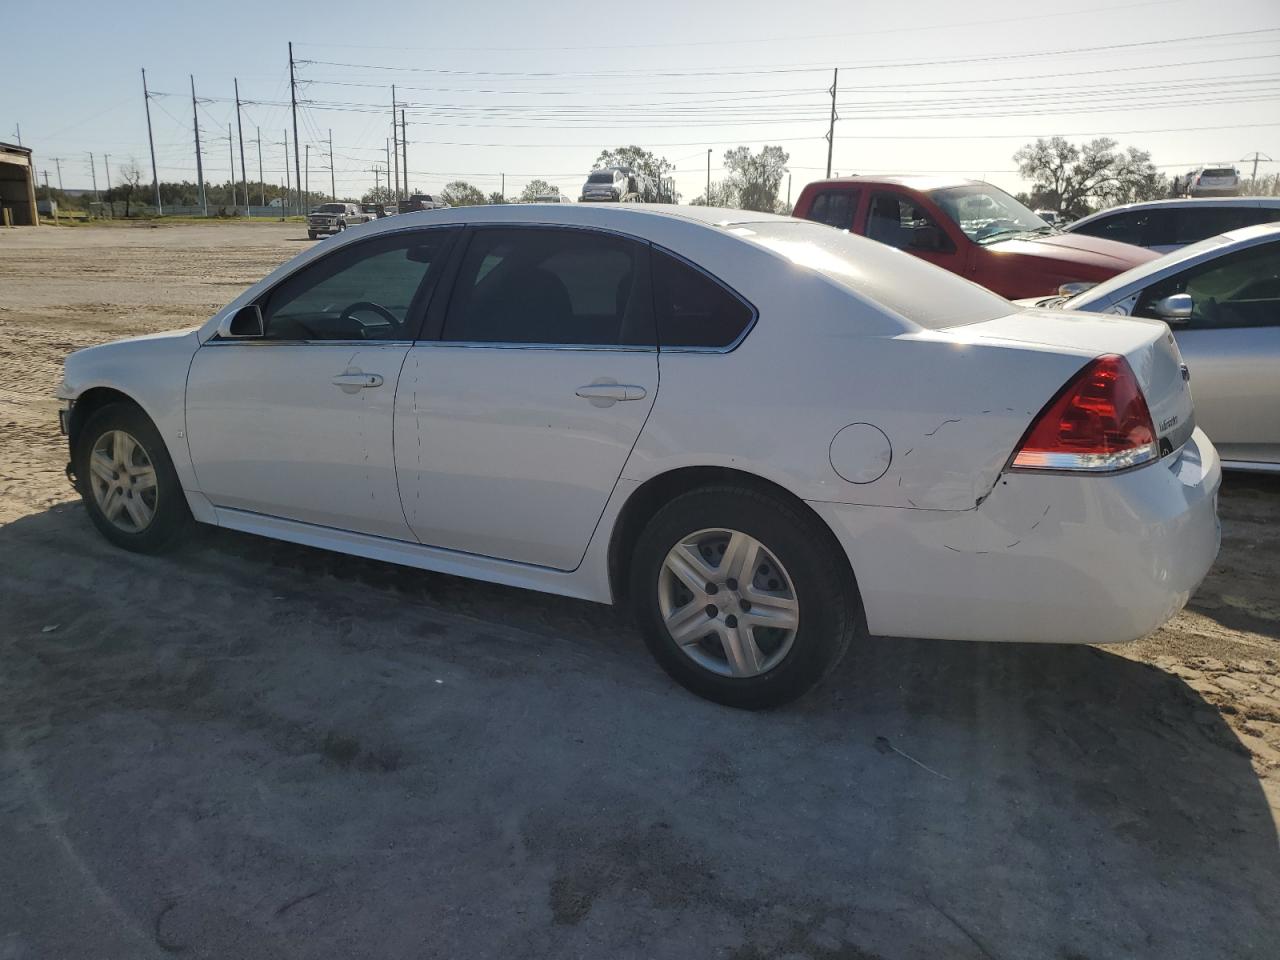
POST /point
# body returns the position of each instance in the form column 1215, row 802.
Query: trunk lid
column 1147, row 345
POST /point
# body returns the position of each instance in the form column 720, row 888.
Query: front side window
column 1196, row 223
column 1241, row 289
column 550, row 286
column 835, row 208
column 372, row 290
column 692, row 309
column 896, row 221
column 1121, row 227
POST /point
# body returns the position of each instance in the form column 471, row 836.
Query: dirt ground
column 251, row 749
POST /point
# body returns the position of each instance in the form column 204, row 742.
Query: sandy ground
column 249, row 749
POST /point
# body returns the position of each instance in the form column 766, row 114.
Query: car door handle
column 351, row 382
column 604, row 394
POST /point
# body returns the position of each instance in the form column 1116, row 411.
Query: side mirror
column 1175, row 308
column 245, row 324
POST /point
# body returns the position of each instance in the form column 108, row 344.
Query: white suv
column 1212, row 182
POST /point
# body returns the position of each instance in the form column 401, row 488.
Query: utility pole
column 57, row 162
column 262, row 184
column 17, row 129
column 106, row 165
column 504, row 186
column 231, row 155
column 195, row 123
column 306, row 172
column 293, row 97
column 155, row 176
column 333, row 190
column 395, row 142
column 377, row 178
column 285, row 208
column 831, row 130
column 706, row 197
column 244, row 178
column 1255, row 158
column 404, row 151
column 390, row 193
column 788, row 192
column 93, row 170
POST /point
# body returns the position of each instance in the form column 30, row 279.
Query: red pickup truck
column 970, row 228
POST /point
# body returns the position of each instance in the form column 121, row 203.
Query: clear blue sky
column 538, row 90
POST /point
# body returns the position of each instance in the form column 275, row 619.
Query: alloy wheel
column 728, row 603
column 123, row 480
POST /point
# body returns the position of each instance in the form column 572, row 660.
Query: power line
column 802, row 67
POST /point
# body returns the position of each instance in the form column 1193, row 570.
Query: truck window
column 835, row 208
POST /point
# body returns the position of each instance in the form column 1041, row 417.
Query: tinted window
column 835, row 208
column 365, row 291
column 692, row 309
column 1196, row 223
column 1241, row 289
column 548, row 286
column 1122, row 227
column 895, row 220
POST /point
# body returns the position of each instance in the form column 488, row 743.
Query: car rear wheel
column 311, row 234
column 127, row 480
column 742, row 598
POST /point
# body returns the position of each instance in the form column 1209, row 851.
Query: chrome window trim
column 508, row 345
column 263, row 342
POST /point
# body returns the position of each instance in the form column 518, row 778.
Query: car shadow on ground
column 252, row 749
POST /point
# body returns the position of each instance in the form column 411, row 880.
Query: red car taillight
column 1098, row 422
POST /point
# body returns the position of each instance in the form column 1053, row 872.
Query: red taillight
column 1099, row 421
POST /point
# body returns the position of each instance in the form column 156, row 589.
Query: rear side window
column 835, row 208
column 694, row 310
column 549, row 286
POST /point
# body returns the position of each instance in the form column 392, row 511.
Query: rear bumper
column 1046, row 557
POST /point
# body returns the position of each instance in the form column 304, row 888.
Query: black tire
column 831, row 611
column 311, row 234
column 171, row 516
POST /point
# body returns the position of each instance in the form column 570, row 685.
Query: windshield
column 1219, row 172
column 604, row 176
column 332, row 208
column 986, row 213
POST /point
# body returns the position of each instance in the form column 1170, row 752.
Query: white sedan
column 763, row 434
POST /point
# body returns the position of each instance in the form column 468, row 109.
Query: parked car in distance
column 1165, row 225
column 605, row 185
column 1221, row 299
column 422, row 201
column 842, row 436
column 377, row 210
column 1048, row 216
column 1219, row 181
column 968, row 227
column 556, row 197
column 334, row 218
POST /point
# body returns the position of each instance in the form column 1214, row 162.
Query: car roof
column 1188, row 202
column 1209, row 248
column 920, row 182
column 617, row 216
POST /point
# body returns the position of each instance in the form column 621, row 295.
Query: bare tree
column 1072, row 179
column 497, row 197
column 130, row 178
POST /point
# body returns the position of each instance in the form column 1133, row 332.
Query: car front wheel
column 742, row 598
column 127, row 480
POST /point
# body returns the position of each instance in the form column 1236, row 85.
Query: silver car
column 1221, row 299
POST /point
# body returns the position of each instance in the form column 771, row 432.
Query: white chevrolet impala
column 761, row 433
